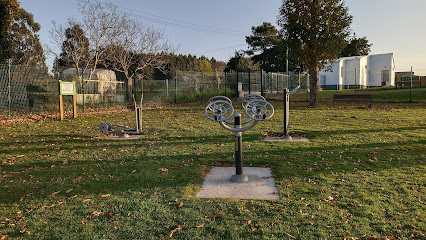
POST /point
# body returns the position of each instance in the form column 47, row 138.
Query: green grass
column 361, row 176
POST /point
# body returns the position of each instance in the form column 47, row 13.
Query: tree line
column 312, row 33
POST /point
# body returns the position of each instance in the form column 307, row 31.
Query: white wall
column 376, row 65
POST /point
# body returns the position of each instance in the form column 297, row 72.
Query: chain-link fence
column 262, row 82
column 26, row 89
column 408, row 81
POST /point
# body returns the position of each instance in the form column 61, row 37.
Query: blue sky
column 218, row 28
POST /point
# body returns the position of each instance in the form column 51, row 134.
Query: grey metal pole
column 82, row 84
column 249, row 82
column 236, row 86
column 9, row 99
column 176, row 87
column 261, row 82
column 286, row 113
column 411, row 83
column 239, row 176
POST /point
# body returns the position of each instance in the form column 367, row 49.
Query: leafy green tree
column 18, row 36
column 25, row 43
column 75, row 49
column 356, row 47
column 316, row 31
column 240, row 63
column 8, row 11
column 267, row 48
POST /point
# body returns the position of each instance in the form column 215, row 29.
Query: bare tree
column 136, row 47
column 84, row 42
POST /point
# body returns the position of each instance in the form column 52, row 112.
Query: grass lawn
column 362, row 176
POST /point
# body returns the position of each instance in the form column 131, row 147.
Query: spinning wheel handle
column 251, row 97
column 219, row 110
column 259, row 110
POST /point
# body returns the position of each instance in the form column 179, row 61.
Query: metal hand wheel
column 219, row 110
column 251, row 97
column 259, row 110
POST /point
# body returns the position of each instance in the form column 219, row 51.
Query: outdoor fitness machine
column 220, row 109
column 286, row 125
column 125, row 131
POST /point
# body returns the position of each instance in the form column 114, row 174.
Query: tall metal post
column 236, row 86
column 226, row 94
column 82, row 84
column 239, row 176
column 286, row 114
column 411, row 83
column 249, row 82
column 176, row 87
column 9, row 91
column 261, row 83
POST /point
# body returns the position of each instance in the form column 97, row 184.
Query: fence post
column 167, row 88
column 9, row 100
column 411, row 83
column 202, row 85
column 249, row 81
column 236, row 86
column 176, row 87
column 226, row 94
column 261, row 82
column 82, row 84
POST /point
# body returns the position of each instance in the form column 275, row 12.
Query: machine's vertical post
column 286, row 113
column 239, row 176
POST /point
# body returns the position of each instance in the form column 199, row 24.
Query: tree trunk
column 129, row 89
column 313, row 85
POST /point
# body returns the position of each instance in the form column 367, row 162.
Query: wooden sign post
column 67, row 88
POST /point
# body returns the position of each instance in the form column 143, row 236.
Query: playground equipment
column 220, row 109
column 124, row 130
column 286, row 125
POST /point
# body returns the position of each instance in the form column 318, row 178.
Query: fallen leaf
column 25, row 232
column 180, row 204
column 115, row 225
column 128, row 213
column 414, row 227
column 68, row 191
column 164, row 170
column 96, row 213
column 175, row 230
column 311, row 223
column 85, row 200
column 105, row 195
column 53, row 194
column 200, row 226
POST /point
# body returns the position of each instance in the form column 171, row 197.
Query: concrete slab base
column 261, row 184
column 292, row 139
column 115, row 137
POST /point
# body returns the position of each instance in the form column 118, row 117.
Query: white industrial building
column 376, row 70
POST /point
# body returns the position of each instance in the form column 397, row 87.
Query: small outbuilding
column 376, row 70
